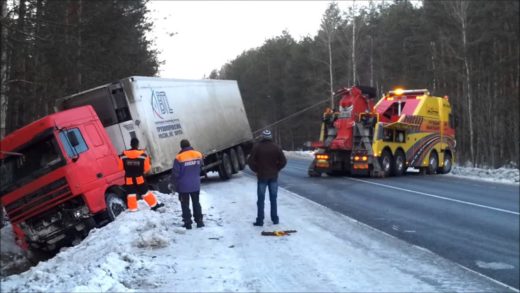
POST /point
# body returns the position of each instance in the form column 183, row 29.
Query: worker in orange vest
column 136, row 163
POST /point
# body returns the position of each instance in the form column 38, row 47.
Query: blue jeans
column 273, row 192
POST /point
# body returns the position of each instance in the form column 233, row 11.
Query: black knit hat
column 185, row 143
column 134, row 142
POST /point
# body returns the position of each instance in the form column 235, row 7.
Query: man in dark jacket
column 186, row 179
column 266, row 160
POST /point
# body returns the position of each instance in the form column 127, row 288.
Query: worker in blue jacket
column 186, row 180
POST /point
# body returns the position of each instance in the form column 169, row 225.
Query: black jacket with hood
column 266, row 159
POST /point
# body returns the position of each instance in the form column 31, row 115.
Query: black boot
column 258, row 223
column 159, row 205
column 200, row 224
column 187, row 226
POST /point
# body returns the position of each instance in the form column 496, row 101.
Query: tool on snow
column 278, row 233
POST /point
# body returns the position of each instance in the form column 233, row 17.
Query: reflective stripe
column 136, row 162
column 150, row 199
column 188, row 156
column 133, row 154
column 131, row 201
column 138, row 180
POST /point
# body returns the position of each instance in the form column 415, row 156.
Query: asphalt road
column 473, row 223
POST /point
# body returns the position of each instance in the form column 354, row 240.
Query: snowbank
column 300, row 154
column 148, row 251
column 505, row 175
column 12, row 258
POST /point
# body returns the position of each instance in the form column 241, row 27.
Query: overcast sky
column 196, row 37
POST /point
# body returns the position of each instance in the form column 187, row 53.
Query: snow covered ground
column 503, row 175
column 148, row 251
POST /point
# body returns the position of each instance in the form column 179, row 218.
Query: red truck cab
column 60, row 178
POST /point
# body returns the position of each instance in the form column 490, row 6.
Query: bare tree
column 354, row 42
column 458, row 11
column 329, row 25
column 3, row 70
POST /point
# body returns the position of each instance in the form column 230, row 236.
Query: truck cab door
column 104, row 157
column 81, row 154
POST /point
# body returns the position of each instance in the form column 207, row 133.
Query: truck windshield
column 38, row 157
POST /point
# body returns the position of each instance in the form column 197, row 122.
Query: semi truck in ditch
column 404, row 129
column 60, row 176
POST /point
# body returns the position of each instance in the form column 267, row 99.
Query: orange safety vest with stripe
column 135, row 163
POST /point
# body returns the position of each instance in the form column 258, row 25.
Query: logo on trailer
column 160, row 105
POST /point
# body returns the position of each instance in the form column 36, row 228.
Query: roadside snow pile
column 12, row 258
column 300, row 154
column 505, row 175
column 148, row 251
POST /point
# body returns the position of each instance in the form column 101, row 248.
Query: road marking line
column 399, row 239
column 437, row 196
column 431, row 195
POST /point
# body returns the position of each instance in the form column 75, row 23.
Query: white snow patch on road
column 494, row 265
column 148, row 251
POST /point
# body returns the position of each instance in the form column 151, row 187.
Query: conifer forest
column 466, row 50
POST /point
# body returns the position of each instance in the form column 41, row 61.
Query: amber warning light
column 322, row 157
column 398, row 92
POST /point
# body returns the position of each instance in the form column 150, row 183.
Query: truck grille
column 58, row 188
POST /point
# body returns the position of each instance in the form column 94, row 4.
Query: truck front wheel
column 115, row 205
column 386, row 162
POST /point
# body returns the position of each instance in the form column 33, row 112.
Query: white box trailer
column 161, row 112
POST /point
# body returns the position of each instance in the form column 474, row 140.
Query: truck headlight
column 77, row 214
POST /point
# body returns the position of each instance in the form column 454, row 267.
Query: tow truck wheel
column 225, row 169
column 115, row 205
column 386, row 161
column 241, row 157
column 234, row 161
column 433, row 163
column 312, row 172
column 399, row 163
column 448, row 163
